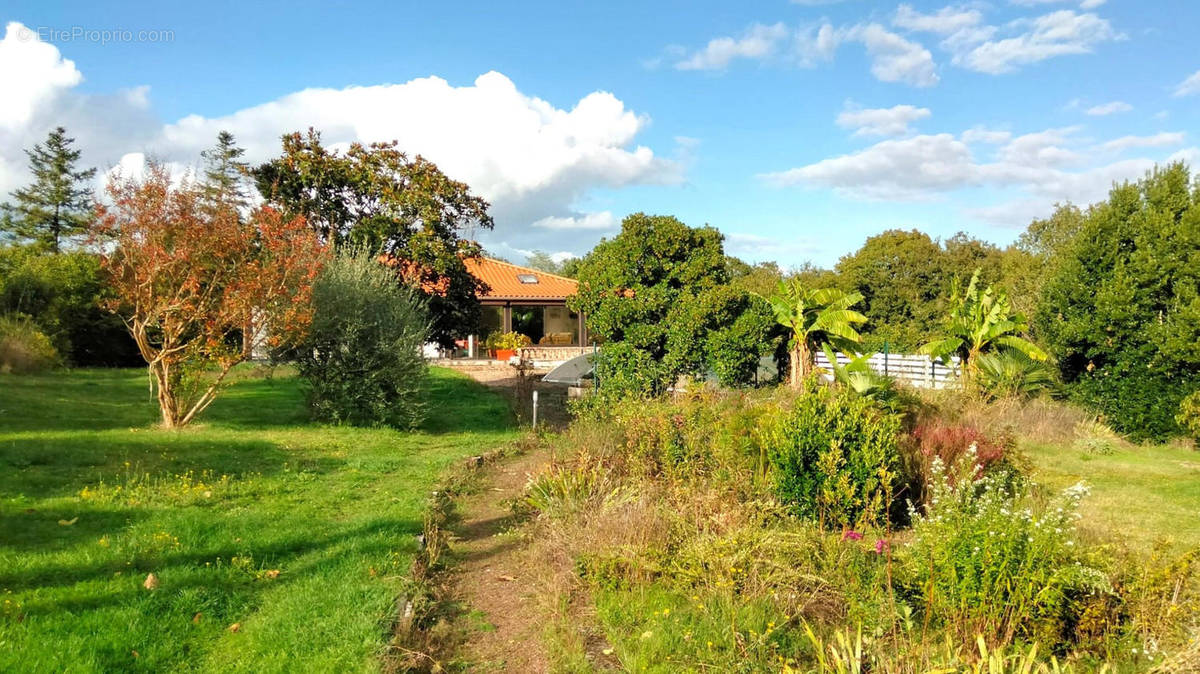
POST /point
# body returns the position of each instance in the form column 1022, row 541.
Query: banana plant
column 981, row 321
column 858, row 376
column 815, row 316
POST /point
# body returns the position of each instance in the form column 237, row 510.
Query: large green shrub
column 1121, row 309
column 835, row 456
column 23, row 348
column 362, row 356
column 61, row 293
column 657, row 289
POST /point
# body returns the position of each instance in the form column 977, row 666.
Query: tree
column 635, row 287
column 57, row 205
column 813, row 317
column 1121, row 309
column 225, row 174
column 979, row 322
column 759, row 279
column 543, row 261
column 377, row 197
column 901, row 277
column 185, row 276
column 361, row 356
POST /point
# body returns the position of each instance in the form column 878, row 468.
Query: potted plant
column 504, row 345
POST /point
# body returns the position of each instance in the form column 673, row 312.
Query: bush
column 835, row 457
column 61, row 293
column 985, row 564
column 1189, row 416
column 1008, row 373
column 625, row 371
column 362, row 356
column 23, row 348
column 936, row 441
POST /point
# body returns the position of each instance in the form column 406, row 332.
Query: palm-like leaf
column 981, row 322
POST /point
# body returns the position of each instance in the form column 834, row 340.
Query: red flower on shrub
column 881, row 545
column 851, row 536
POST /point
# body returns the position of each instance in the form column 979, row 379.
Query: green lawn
column 93, row 498
column 1140, row 495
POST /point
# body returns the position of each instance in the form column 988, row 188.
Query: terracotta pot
column 504, row 354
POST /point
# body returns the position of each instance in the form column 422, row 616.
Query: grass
column 1140, row 494
column 300, row 535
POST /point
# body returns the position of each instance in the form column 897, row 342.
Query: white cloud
column 980, row 134
column 1189, row 86
column 603, row 220
column 1035, row 169
column 33, row 74
column 906, row 169
column 1123, row 143
column 759, row 41
column 1055, row 34
column 533, row 161
column 891, row 121
column 894, row 58
column 1108, row 108
column 945, row 21
column 1003, row 49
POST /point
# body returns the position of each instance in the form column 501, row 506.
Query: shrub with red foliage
column 949, row 442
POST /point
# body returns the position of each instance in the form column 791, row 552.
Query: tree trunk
column 168, row 405
column 799, row 365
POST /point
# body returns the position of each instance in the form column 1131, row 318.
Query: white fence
column 920, row 371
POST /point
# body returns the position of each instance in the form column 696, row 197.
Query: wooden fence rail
column 920, row 371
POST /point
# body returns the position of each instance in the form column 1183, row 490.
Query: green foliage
column 812, row 317
column 980, row 322
column 984, row 562
column 1189, row 416
column 858, row 376
column 376, row 196
column 57, row 205
column 1121, row 312
column 543, row 261
column 1008, row 373
column 510, row 341
column 23, row 348
column 835, row 457
column 636, row 288
column 362, row 355
column 224, row 183
column 724, row 330
column 62, row 294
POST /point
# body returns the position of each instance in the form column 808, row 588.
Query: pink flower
column 851, row 535
column 881, row 545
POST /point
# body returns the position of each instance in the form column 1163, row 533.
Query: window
column 527, row 278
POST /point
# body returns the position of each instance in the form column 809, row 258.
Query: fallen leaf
column 272, row 574
column 196, row 618
column 135, row 655
column 151, row 582
column 236, row 627
column 67, row 523
column 607, row 651
column 507, row 579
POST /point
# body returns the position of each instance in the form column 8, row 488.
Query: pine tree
column 224, row 181
column 58, row 204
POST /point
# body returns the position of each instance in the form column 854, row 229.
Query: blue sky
column 797, row 128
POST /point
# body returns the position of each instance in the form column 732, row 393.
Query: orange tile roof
column 503, row 284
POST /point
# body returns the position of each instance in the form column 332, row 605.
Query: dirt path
column 490, row 579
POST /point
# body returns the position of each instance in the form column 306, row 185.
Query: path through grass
column 301, row 535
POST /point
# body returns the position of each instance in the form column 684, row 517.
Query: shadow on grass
column 190, row 562
column 47, row 465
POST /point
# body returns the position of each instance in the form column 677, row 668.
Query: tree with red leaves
column 186, row 277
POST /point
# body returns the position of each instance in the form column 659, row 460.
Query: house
column 532, row 303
